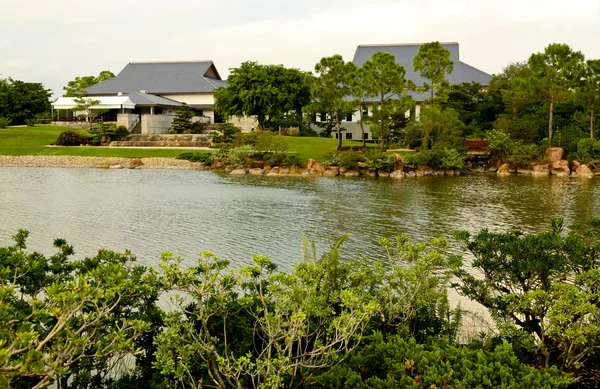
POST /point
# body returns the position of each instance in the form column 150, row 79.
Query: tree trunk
column 362, row 126
column 431, row 86
column 338, row 129
column 592, row 113
column 550, row 121
column 381, row 134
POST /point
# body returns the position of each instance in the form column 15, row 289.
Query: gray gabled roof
column 405, row 54
column 151, row 100
column 162, row 78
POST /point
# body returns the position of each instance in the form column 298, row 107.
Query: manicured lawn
column 316, row 147
column 36, row 141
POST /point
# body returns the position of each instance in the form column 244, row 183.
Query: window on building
column 323, row 117
column 348, row 135
column 336, row 135
column 349, row 117
column 313, row 118
column 365, row 111
column 158, row 110
column 366, row 135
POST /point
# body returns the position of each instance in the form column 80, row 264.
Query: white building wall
column 193, row 98
column 156, row 124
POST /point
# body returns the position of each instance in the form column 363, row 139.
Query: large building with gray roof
column 157, row 89
column 405, row 54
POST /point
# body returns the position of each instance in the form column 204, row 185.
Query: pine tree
column 182, row 120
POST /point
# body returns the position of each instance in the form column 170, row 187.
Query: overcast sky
column 53, row 41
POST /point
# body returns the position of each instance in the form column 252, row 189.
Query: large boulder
column 574, row 165
column 318, row 167
column 310, row 163
column 398, row 162
column 424, row 171
column 554, row 154
column 351, row 173
column 332, row 171
column 256, row 171
column 397, row 174
column 584, row 171
column 239, row 171
column 541, row 170
column 561, row 168
column 524, row 170
column 503, row 170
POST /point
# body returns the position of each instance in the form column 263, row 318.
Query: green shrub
column 30, row 122
column 4, row 122
column 203, row 157
column 291, row 160
column 198, row 127
column 500, row 144
column 244, row 139
column 334, row 159
column 437, row 158
column 401, row 363
column 524, row 155
column 237, row 155
column 275, row 159
column 350, row 160
column 376, row 160
column 225, row 133
column 68, row 138
column 185, row 156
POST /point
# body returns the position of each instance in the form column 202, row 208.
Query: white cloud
column 59, row 40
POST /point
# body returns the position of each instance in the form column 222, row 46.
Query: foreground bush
column 4, row 122
column 68, row 138
column 403, row 363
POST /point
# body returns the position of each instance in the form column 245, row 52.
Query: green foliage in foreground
column 400, row 363
column 333, row 321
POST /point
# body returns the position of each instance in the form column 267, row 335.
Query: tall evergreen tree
column 388, row 85
column 433, row 62
column 589, row 91
column 331, row 88
column 556, row 72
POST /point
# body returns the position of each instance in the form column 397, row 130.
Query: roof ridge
column 404, row 44
column 168, row 62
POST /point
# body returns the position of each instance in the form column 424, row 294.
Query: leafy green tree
column 330, row 89
column 80, row 84
column 360, row 90
column 21, row 100
column 477, row 108
column 439, row 127
column 538, row 287
column 182, row 121
column 555, row 73
column 433, row 62
column 268, row 92
column 57, row 314
column 589, row 90
column 85, row 105
column 294, row 327
column 386, row 83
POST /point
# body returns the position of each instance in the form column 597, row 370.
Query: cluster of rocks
column 95, row 162
column 555, row 165
column 314, row 168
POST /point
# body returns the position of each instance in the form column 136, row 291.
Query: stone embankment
column 96, row 162
column 555, row 165
column 314, row 168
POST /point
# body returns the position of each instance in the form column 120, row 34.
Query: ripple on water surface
column 185, row 212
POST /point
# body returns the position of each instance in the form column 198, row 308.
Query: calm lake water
column 186, row 212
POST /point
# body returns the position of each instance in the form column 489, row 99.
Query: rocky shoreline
column 558, row 167
column 64, row 161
